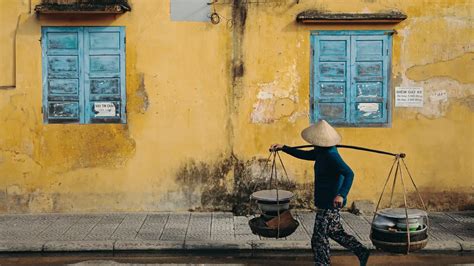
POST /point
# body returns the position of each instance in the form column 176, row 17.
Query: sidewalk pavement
column 197, row 231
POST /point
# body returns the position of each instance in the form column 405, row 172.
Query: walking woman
column 333, row 180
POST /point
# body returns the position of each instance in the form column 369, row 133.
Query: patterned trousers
column 328, row 224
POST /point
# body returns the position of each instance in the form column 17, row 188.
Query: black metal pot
column 258, row 227
column 399, row 247
column 399, row 236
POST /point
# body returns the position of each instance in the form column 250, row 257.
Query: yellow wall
column 195, row 129
column 9, row 17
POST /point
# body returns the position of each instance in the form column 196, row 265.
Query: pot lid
column 382, row 221
column 271, row 195
column 400, row 213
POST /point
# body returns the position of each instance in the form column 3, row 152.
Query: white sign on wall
column 104, row 109
column 190, row 10
column 408, row 97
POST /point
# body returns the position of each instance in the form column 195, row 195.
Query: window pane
column 332, row 111
column 331, row 89
column 369, row 89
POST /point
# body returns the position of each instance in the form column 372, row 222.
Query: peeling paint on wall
column 437, row 68
column 277, row 99
column 467, row 101
column 421, row 52
column 452, row 91
column 449, row 69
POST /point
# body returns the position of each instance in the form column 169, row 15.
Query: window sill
column 348, row 125
column 84, row 8
column 318, row 17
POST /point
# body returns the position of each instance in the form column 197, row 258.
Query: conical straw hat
column 321, row 134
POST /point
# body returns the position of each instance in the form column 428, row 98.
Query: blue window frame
column 83, row 75
column 350, row 77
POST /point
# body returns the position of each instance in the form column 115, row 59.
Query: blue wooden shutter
column 370, row 57
column 104, row 73
column 331, row 65
column 62, row 71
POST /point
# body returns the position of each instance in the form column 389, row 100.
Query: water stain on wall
column 142, row 95
column 239, row 18
column 435, row 200
column 75, row 146
column 227, row 184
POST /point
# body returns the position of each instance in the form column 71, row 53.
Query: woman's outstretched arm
column 309, row 155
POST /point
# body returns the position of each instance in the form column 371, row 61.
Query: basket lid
column 400, row 213
column 271, row 195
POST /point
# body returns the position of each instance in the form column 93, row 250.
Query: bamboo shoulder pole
column 401, row 155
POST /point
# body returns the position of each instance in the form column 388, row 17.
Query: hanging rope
column 419, row 196
column 273, row 182
column 277, row 198
column 383, row 190
column 283, row 166
column 399, row 172
column 394, row 182
column 255, row 184
column 406, row 207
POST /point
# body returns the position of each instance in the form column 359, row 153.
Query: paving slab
column 440, row 227
column 358, row 225
column 106, row 227
column 242, row 230
column 306, row 221
column 222, row 226
column 152, row 227
column 199, row 226
column 176, row 227
column 129, row 227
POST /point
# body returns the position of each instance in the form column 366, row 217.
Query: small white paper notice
column 368, row 107
column 104, row 109
column 408, row 97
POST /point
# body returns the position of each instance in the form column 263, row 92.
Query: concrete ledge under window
column 319, row 17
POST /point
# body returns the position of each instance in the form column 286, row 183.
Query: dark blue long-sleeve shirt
column 332, row 175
